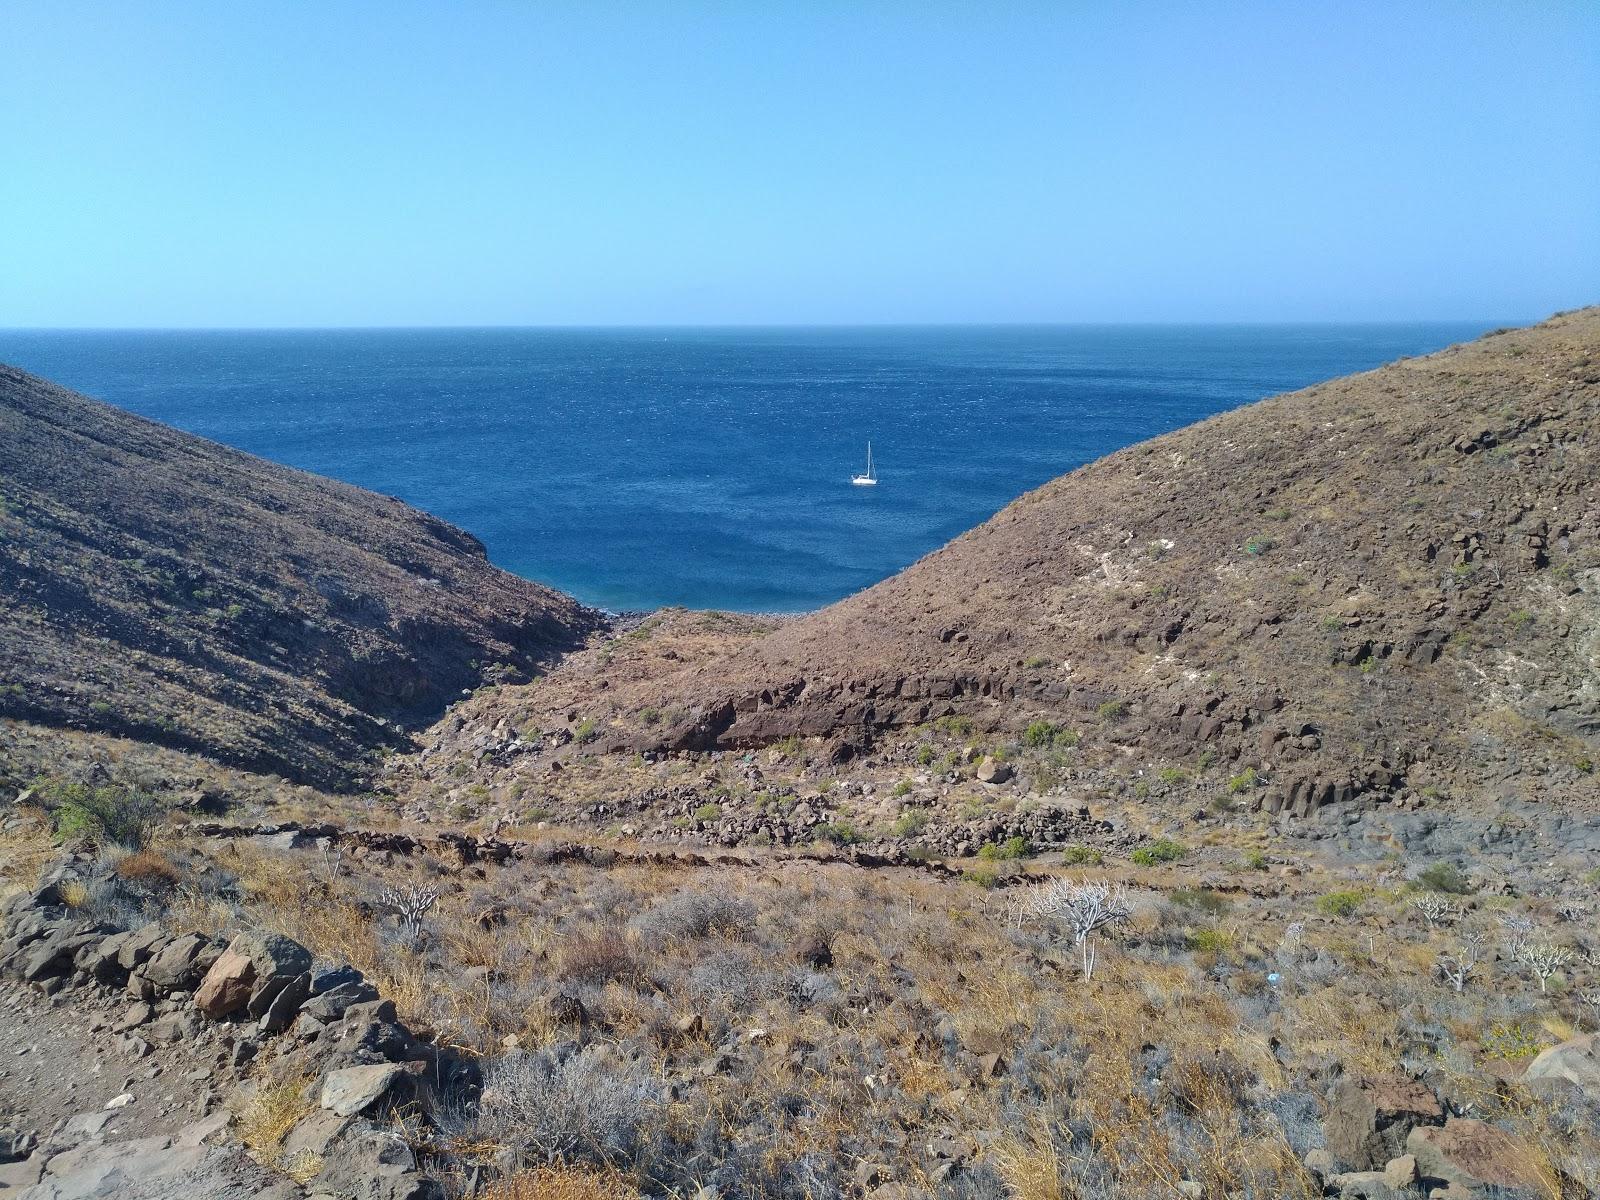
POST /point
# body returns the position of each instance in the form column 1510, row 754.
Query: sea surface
column 704, row 467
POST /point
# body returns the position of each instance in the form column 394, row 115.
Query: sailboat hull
column 863, row 481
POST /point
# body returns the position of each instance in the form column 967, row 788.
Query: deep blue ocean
column 704, row 467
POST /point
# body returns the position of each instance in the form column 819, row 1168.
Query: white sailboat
column 870, row 479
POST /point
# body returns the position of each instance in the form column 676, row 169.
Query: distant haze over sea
column 704, row 467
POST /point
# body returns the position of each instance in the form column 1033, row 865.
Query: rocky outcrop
column 329, row 1025
column 167, row 589
column 1369, row 1120
column 1575, row 1063
column 1473, row 1157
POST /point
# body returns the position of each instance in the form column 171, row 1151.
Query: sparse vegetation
column 1344, row 903
column 1162, row 850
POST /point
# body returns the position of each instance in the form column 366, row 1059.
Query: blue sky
column 394, row 163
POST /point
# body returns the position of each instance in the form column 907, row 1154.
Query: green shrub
column 1172, row 775
column 984, row 875
column 1444, row 877
column 650, row 716
column 903, row 788
column 585, row 731
column 1011, row 848
column 1077, row 856
column 1112, row 710
column 707, row 813
column 1033, row 664
column 103, row 815
column 100, row 708
column 840, row 833
column 925, row 755
column 1586, row 765
column 1210, row 941
column 1244, row 781
column 1041, row 735
column 909, row 823
column 1256, row 860
column 960, row 726
column 1162, row 850
column 1512, row 1042
column 1341, row 903
column 1257, row 545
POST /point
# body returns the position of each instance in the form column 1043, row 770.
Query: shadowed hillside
column 163, row 587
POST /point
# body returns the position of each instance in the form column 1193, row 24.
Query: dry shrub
column 563, row 1105
column 603, row 956
column 561, row 1183
column 692, row 914
column 24, row 852
column 149, row 867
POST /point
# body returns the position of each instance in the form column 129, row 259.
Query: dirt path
column 103, row 1113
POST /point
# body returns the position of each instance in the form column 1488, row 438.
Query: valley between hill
column 1218, row 821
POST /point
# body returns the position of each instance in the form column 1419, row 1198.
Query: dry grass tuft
column 149, row 867
column 24, row 852
column 561, row 1183
column 269, row 1116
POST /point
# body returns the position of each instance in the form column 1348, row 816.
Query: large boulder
column 181, row 963
column 1575, row 1061
column 250, row 974
column 1471, row 1155
column 226, row 987
column 352, row 1090
column 992, row 770
column 1369, row 1120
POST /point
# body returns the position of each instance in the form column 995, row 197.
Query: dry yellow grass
column 150, row 867
column 268, row 1117
column 561, row 1183
column 24, row 852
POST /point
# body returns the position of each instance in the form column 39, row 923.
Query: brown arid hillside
column 161, row 587
column 1383, row 584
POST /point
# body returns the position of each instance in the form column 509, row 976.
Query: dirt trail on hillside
column 98, row 1113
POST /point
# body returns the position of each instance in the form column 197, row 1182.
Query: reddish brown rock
column 1369, row 1120
column 1472, row 1154
column 226, row 987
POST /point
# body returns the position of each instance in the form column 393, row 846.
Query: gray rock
column 373, row 1164
column 1575, row 1061
column 326, row 979
column 179, row 965
column 328, row 1006
column 173, row 1028
column 279, row 961
column 281, row 1012
column 315, row 1134
column 137, row 947
column 353, row 1090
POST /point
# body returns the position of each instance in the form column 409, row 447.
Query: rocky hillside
column 1386, row 581
column 162, row 587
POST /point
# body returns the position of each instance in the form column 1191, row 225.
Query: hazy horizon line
column 778, row 325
